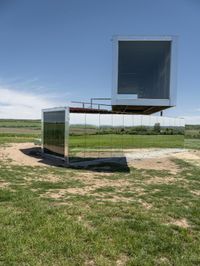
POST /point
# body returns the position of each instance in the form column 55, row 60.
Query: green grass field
column 57, row 216
column 126, row 141
column 14, row 131
column 62, row 216
column 6, row 138
column 14, row 123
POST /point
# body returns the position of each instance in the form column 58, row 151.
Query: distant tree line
column 137, row 130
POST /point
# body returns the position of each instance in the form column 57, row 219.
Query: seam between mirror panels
column 42, row 131
column 66, row 135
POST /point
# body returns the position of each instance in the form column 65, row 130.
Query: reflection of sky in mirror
column 123, row 120
column 128, row 120
column 106, row 120
column 118, row 120
column 54, row 117
column 77, row 119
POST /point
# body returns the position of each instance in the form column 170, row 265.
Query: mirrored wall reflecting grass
column 115, row 133
column 126, row 141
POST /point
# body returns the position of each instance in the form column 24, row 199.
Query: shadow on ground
column 106, row 164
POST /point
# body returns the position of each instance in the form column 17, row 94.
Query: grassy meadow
column 62, row 216
column 58, row 216
column 126, row 141
column 15, row 131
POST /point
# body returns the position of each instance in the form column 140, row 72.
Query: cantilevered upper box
column 144, row 73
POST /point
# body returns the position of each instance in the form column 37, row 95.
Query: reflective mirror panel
column 54, row 133
column 93, row 136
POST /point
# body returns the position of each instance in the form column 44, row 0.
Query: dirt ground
column 158, row 159
column 96, row 183
column 19, row 154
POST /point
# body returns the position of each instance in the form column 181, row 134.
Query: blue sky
column 54, row 51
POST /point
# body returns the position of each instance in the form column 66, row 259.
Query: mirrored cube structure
column 144, row 73
column 87, row 136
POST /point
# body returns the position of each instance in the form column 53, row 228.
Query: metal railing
column 91, row 104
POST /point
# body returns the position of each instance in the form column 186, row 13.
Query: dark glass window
column 144, row 68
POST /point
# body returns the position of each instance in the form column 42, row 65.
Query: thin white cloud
column 23, row 105
column 192, row 120
column 20, row 104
